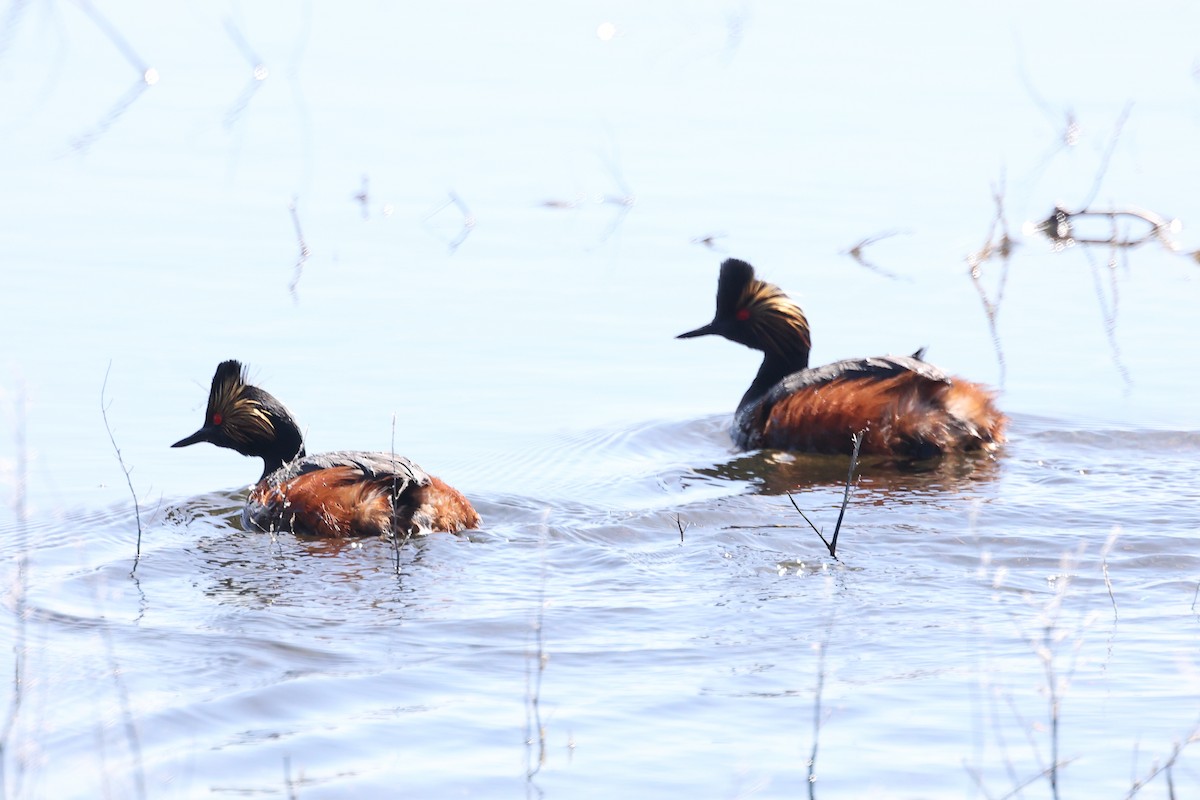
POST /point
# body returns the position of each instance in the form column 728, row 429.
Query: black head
column 247, row 419
column 757, row 314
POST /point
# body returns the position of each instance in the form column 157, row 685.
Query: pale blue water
column 577, row 645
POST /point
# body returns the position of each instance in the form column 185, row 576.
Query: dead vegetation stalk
column 137, row 511
column 302, row 258
column 20, row 590
column 831, row 544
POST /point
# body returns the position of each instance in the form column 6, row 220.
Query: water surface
column 470, row 235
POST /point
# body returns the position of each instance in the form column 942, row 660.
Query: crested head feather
column 736, row 275
column 775, row 323
column 241, row 410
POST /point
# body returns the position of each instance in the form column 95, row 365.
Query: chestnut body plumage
column 339, row 494
column 906, row 407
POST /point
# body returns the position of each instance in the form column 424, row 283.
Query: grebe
column 339, row 494
column 907, row 407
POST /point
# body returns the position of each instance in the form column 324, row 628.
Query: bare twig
column 131, row 734
column 682, row 527
column 1122, row 118
column 818, row 692
column 1002, row 247
column 831, row 544
column 1048, row 771
column 21, row 590
column 395, row 502
column 147, row 76
column 1070, row 133
column 709, row 240
column 856, row 252
column 114, row 35
column 288, row 783
column 625, row 200
column 364, row 197
column 1055, row 707
column 1108, row 545
column 137, row 511
column 535, row 730
column 468, row 219
column 259, row 73
column 805, row 516
column 1059, row 228
column 1165, row 767
column 1109, row 309
column 858, row 440
column 304, row 251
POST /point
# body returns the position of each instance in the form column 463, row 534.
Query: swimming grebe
column 908, row 407
column 338, row 494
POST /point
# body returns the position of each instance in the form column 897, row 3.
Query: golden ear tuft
column 236, row 406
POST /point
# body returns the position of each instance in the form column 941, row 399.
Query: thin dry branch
column 535, row 729
column 831, row 544
column 395, row 492
column 363, row 198
column 624, row 200
column 818, row 692
column 21, row 591
column 1061, row 228
column 468, row 219
column 1108, row 308
column 709, row 240
column 682, row 527
column 259, row 73
column 302, row 258
column 1165, row 767
column 137, row 511
column 858, row 440
column 147, row 77
column 856, row 252
column 288, row 783
column 999, row 244
column 131, row 734
column 1118, row 126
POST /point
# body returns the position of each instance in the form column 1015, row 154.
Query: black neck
column 274, row 460
column 286, row 447
column 774, row 368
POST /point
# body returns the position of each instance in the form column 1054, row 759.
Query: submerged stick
column 137, row 511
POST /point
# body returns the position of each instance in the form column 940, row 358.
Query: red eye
column 743, row 314
column 217, row 419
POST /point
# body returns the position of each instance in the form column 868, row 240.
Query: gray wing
column 374, row 466
column 875, row 367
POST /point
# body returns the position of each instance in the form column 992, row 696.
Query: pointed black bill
column 704, row 330
column 202, row 435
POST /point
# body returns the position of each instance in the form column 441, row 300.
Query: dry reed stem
column 137, row 511
column 535, row 730
column 302, row 258
column 468, row 219
column 147, row 77
column 856, row 253
column 20, row 590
